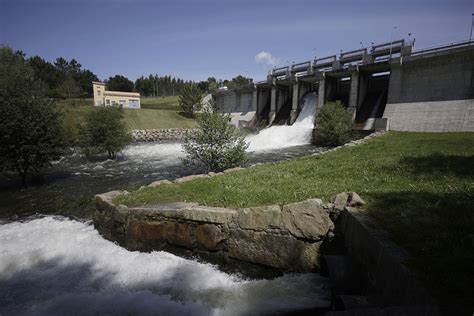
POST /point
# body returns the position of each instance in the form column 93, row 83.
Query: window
column 98, row 92
column 107, row 102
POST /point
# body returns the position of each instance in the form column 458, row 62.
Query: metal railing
column 443, row 47
column 383, row 52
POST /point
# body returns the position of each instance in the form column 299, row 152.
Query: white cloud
column 266, row 58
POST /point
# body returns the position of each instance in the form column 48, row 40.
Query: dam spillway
column 288, row 135
column 385, row 86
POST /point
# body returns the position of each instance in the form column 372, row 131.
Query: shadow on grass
column 186, row 115
column 437, row 229
column 439, row 165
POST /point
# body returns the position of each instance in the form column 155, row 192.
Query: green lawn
column 156, row 119
column 160, row 103
column 419, row 187
column 156, row 113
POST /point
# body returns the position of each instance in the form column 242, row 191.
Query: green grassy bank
column 156, row 113
column 418, row 186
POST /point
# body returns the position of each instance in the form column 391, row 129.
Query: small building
column 102, row 97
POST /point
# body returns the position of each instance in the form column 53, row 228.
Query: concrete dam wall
column 389, row 86
column 433, row 93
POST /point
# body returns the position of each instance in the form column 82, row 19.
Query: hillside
column 156, row 113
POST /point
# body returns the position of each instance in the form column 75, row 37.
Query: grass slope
column 419, row 187
column 156, row 113
column 160, row 103
column 156, row 119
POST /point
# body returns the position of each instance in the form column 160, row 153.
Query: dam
column 388, row 86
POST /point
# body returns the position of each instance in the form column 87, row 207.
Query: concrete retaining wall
column 433, row 93
column 441, row 116
column 239, row 103
column 392, row 282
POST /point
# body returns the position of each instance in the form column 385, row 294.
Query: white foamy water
column 299, row 133
column 168, row 154
column 56, row 266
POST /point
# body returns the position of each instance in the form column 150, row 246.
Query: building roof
column 120, row 93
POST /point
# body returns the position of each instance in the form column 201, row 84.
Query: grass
column 156, row 113
column 418, row 186
column 160, row 103
column 156, row 119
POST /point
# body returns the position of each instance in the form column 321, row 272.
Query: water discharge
column 56, row 266
column 299, row 133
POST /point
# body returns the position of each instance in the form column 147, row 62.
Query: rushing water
column 52, row 265
column 284, row 136
column 56, row 266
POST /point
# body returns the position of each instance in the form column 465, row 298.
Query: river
column 53, row 261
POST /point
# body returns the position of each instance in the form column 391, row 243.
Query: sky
column 197, row 39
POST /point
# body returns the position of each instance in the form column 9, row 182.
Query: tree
column 119, row 83
column 190, row 99
column 103, row 131
column 333, row 124
column 216, row 145
column 30, row 125
column 239, row 82
column 69, row 88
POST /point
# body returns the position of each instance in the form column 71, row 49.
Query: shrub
column 103, row 131
column 30, row 125
column 333, row 124
column 190, row 100
column 216, row 145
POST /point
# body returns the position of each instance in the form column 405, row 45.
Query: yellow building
column 103, row 97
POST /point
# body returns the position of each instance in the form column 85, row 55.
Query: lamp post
column 472, row 26
column 361, row 44
column 391, row 40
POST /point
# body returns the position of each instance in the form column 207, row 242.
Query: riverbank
column 419, row 187
column 68, row 187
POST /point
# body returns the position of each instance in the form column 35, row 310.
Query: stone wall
column 153, row 135
column 284, row 237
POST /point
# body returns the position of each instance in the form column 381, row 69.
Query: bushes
column 103, row 131
column 333, row 125
column 216, row 145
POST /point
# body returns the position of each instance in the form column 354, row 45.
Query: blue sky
column 197, row 39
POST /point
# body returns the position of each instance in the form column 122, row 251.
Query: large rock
column 152, row 234
column 307, row 219
column 340, row 201
column 230, row 170
column 277, row 251
column 260, row 218
column 356, row 200
column 191, row 178
column 187, row 211
column 209, row 237
column 158, row 183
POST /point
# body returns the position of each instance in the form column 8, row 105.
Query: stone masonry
column 284, row 237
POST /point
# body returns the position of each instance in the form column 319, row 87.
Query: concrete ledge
column 392, row 282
